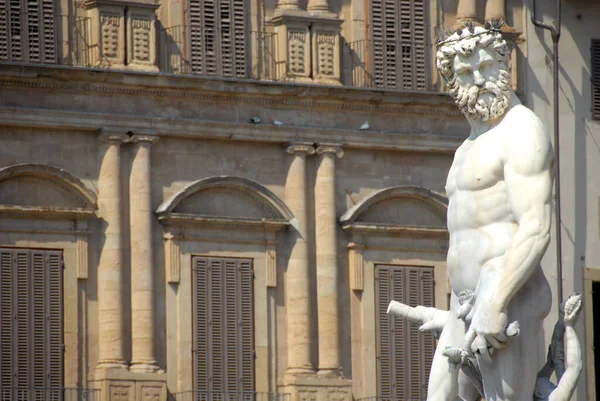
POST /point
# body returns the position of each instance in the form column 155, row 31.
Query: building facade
column 217, row 199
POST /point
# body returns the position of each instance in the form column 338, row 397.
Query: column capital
column 300, row 147
column 112, row 135
column 330, row 148
column 144, row 138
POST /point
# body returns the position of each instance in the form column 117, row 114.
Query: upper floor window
column 27, row 31
column 595, row 55
column 397, row 50
column 218, row 37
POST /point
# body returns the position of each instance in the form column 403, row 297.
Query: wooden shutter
column 404, row 355
column 223, row 325
column 595, row 61
column 217, row 32
column 397, row 29
column 28, row 31
column 31, row 318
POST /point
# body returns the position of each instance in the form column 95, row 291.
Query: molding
column 42, row 231
column 229, row 240
column 45, row 213
column 197, row 128
column 144, row 138
column 82, row 256
column 429, row 197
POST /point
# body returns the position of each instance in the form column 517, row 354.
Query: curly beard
column 475, row 106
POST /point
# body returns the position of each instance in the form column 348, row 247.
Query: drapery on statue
column 499, row 192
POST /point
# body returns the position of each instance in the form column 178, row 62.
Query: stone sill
column 226, row 85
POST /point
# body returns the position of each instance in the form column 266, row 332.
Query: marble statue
column 499, row 190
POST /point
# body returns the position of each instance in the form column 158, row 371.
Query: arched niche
column 214, row 204
column 398, row 210
column 44, row 192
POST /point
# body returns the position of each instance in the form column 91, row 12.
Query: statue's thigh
column 512, row 373
column 445, row 382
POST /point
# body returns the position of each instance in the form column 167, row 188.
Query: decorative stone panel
column 110, row 34
column 141, row 38
column 298, row 53
column 172, row 259
column 326, row 59
column 271, row 264
column 356, row 267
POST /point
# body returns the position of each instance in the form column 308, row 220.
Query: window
column 27, row 31
column 595, row 55
column 217, row 37
column 404, row 354
column 397, row 30
column 31, row 351
column 223, row 332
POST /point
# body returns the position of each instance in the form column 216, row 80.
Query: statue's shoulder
column 523, row 126
column 525, row 137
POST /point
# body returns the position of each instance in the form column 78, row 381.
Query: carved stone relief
column 297, row 52
column 307, row 395
column 110, row 34
column 326, row 54
column 141, row 27
column 119, row 393
column 151, row 393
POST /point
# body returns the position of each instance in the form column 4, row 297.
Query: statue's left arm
column 528, row 175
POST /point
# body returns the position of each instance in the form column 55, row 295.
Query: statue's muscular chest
column 477, row 165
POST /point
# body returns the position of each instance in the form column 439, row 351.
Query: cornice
column 224, row 223
column 198, row 128
column 272, row 94
column 45, row 213
column 392, row 230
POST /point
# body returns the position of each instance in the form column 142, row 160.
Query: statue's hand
column 487, row 331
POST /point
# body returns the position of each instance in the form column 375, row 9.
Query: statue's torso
column 480, row 221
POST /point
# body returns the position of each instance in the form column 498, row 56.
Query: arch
column 398, row 210
column 437, row 201
column 275, row 212
column 56, row 177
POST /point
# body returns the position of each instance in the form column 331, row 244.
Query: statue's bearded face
column 480, row 87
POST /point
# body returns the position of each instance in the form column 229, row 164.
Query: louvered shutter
column 6, row 319
column 397, row 29
column 28, row 31
column 224, row 325
column 595, row 56
column 217, row 36
column 404, row 355
column 31, row 318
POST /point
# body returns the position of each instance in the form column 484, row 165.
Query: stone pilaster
column 110, row 275
column 466, row 11
column 142, row 260
column 297, row 283
column 327, row 259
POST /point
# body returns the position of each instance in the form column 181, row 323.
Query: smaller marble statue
column 564, row 353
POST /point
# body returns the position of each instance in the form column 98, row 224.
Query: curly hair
column 465, row 42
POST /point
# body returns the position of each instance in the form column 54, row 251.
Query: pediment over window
column 225, row 202
column 403, row 210
column 40, row 191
